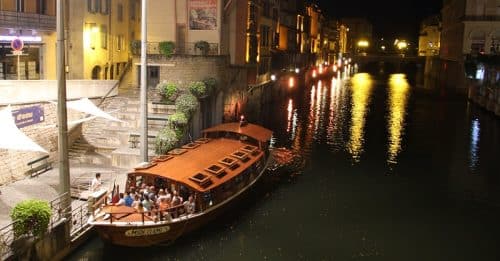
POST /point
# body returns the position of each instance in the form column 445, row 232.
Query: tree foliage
column 166, row 140
column 167, row 48
column 186, row 103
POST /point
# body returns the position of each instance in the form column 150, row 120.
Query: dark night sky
column 390, row 18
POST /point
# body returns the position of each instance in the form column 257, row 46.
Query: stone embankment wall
column 13, row 163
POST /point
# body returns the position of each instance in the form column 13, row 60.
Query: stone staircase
column 105, row 142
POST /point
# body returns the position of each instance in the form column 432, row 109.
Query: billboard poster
column 202, row 14
column 28, row 116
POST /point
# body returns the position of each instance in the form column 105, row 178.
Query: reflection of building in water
column 361, row 91
column 474, row 145
column 398, row 98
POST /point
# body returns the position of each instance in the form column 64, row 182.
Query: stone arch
column 477, row 41
column 96, row 72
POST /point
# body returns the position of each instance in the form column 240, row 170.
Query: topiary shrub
column 211, row 84
column 167, row 48
column 198, row 89
column 168, row 90
column 186, row 103
column 32, row 217
column 166, row 140
column 178, row 119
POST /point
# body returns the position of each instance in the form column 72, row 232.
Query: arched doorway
column 96, row 72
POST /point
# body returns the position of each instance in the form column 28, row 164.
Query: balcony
column 180, row 49
column 27, row 21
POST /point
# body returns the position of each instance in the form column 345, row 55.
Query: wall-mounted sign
column 17, row 44
column 28, row 116
column 203, row 14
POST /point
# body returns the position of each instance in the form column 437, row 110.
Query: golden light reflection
column 289, row 109
column 398, row 98
column 361, row 90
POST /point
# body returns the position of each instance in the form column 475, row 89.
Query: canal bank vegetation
column 187, row 101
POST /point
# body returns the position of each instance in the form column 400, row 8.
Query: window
column 264, row 36
column 104, row 37
column 120, row 13
column 105, row 6
column 132, row 9
column 93, row 6
column 20, row 5
column 119, row 42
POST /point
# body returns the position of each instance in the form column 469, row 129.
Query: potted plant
column 203, row 46
column 167, row 48
column 211, row 85
column 166, row 140
column 168, row 91
column 198, row 89
column 186, row 103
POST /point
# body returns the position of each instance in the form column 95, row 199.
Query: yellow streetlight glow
column 402, row 45
column 363, row 43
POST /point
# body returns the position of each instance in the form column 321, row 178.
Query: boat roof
column 182, row 167
column 252, row 130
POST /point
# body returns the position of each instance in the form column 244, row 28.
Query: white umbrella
column 11, row 137
column 85, row 105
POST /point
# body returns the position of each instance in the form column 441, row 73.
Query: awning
column 85, row 105
column 11, row 137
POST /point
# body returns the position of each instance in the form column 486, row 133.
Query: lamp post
column 62, row 114
column 144, row 87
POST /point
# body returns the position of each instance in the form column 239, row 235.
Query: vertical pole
column 61, row 113
column 18, row 68
column 144, row 87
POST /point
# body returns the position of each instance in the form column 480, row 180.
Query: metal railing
column 57, row 207
column 183, row 49
column 79, row 217
column 27, row 20
column 6, row 239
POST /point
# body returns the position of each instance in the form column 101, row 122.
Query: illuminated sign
column 28, row 116
column 146, row 231
column 10, row 38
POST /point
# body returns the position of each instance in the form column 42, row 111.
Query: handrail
column 120, row 78
column 150, row 213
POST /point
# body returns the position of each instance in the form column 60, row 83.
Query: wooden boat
column 216, row 170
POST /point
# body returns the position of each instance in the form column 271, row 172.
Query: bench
column 39, row 166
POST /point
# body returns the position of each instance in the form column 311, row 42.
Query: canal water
column 393, row 171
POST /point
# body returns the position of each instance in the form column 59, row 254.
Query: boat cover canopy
column 255, row 131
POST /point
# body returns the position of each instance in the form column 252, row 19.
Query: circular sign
column 17, row 44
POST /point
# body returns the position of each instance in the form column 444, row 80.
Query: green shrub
column 168, row 90
column 186, row 103
column 166, row 140
column 167, row 48
column 203, row 46
column 198, row 89
column 178, row 119
column 32, row 217
column 210, row 84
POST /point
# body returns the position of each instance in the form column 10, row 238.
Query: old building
column 30, row 27
column 429, row 37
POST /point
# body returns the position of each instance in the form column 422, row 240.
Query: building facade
column 99, row 33
column 360, row 29
column 429, row 37
column 469, row 27
column 30, row 26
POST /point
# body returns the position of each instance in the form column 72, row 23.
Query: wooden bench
column 39, row 166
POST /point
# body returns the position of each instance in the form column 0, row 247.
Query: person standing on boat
column 189, row 205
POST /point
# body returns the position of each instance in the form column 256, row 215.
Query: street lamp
column 362, row 45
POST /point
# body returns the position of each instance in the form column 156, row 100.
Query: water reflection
column 474, row 145
column 361, row 91
column 291, row 119
column 336, row 114
column 398, row 98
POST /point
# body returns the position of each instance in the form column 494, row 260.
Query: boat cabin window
column 201, row 179
column 216, row 170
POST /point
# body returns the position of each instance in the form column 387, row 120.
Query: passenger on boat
column 137, row 200
column 164, row 205
column 189, row 205
column 121, row 201
column 128, row 199
column 147, row 204
column 140, row 207
column 176, row 199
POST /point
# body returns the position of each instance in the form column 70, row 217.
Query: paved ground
column 45, row 186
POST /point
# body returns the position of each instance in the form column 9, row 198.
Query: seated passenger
column 189, row 205
column 129, row 200
column 121, row 201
